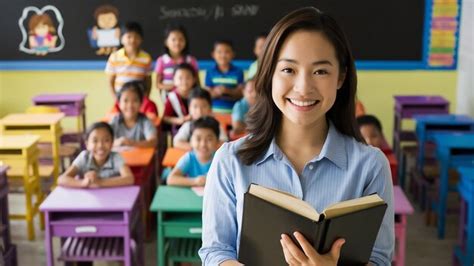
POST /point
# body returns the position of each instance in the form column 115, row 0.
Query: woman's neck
column 299, row 143
column 292, row 135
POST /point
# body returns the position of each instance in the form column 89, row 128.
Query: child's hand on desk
column 128, row 142
column 95, row 184
column 309, row 256
column 94, row 179
column 91, row 175
column 119, row 141
column 123, row 141
column 85, row 182
column 91, row 178
column 200, row 181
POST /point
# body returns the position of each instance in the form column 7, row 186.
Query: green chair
column 183, row 250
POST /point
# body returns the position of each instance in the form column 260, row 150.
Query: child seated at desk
column 130, row 62
column 199, row 105
column 98, row 166
column 371, row 130
column 147, row 107
column 241, row 108
column 131, row 127
column 176, row 105
column 192, row 168
column 224, row 80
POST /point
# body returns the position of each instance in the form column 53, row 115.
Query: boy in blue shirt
column 192, row 168
column 224, row 80
column 241, row 108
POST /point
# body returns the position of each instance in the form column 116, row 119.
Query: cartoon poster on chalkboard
column 105, row 35
column 41, row 30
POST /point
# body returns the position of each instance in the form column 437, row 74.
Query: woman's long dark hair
column 264, row 117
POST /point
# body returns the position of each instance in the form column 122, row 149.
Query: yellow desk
column 46, row 126
column 20, row 152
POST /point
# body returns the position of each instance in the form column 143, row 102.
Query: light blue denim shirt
column 345, row 169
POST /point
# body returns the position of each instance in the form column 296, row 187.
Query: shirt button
column 311, row 167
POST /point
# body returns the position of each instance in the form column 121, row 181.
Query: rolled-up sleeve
column 219, row 235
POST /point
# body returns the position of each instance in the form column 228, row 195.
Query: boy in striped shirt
column 130, row 63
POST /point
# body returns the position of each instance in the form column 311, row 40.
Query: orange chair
column 172, row 157
column 360, row 109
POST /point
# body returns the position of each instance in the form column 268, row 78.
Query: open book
column 268, row 213
column 291, row 203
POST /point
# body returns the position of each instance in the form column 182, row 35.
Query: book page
column 353, row 205
column 285, row 201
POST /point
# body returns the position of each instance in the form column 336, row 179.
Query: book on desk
column 269, row 213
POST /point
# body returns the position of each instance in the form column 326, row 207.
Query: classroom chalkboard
column 378, row 30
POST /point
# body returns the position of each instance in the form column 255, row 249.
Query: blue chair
column 453, row 150
column 426, row 125
column 464, row 252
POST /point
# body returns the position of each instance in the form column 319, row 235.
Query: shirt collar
column 166, row 58
column 122, row 53
column 334, row 149
column 93, row 166
column 216, row 68
column 273, row 150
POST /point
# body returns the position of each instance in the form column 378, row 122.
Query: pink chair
column 402, row 209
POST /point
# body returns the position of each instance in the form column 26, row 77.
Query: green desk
column 179, row 213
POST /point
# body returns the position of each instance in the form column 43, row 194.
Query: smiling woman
column 302, row 140
column 305, row 90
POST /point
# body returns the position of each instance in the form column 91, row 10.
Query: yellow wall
column 376, row 89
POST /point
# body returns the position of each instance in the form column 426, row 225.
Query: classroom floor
column 423, row 248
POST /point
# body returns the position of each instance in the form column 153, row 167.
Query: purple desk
column 409, row 106
column 94, row 224
column 406, row 107
column 402, row 208
column 71, row 104
column 7, row 250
